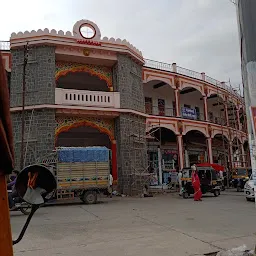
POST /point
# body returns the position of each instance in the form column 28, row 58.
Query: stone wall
column 127, row 79
column 40, row 76
column 39, row 136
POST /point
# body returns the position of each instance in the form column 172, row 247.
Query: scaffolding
column 139, row 175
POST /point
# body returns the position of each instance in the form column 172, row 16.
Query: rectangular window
column 161, row 107
column 148, row 105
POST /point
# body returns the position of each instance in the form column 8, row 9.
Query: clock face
column 87, row 31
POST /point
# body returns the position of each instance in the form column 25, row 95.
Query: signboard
column 189, row 113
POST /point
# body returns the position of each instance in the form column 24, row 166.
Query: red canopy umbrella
column 216, row 167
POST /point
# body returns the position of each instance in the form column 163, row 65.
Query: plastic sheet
column 81, row 155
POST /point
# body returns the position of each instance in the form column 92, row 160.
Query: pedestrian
column 196, row 184
column 180, row 181
column 110, row 183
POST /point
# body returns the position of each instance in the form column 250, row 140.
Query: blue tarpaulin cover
column 81, row 155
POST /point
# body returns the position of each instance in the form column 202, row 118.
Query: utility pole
column 247, row 30
column 23, row 107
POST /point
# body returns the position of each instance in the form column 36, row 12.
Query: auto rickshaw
column 240, row 176
column 208, row 180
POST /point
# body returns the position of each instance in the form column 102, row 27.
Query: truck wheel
column 89, row 197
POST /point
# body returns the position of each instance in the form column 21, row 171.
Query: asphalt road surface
column 162, row 225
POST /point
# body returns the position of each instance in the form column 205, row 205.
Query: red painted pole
column 114, row 160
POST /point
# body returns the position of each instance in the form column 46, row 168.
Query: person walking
column 196, row 184
column 110, row 180
column 179, row 176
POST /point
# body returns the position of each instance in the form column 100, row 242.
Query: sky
column 200, row 35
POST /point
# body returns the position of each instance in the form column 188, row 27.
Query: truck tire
column 89, row 197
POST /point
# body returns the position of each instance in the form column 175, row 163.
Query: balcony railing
column 87, row 98
column 160, row 111
column 190, row 73
column 4, row 45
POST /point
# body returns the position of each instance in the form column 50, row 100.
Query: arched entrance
column 192, row 104
column 159, row 98
column 216, row 112
column 82, row 81
column 86, row 134
column 83, row 136
column 162, row 154
column 220, row 150
column 195, row 148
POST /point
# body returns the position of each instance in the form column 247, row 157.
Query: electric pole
column 247, row 30
column 23, row 107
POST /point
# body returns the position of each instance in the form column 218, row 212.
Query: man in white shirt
column 110, row 183
column 179, row 180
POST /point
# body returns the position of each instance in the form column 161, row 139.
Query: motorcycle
column 20, row 205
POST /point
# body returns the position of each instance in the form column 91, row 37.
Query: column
column 205, row 109
column 177, row 102
column 238, row 119
column 244, row 164
column 209, row 147
column 231, row 155
column 180, row 150
column 226, row 113
column 114, row 160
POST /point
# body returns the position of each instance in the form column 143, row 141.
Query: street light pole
column 247, row 31
column 23, row 107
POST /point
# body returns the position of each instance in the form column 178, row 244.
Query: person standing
column 180, row 181
column 110, row 182
column 196, row 184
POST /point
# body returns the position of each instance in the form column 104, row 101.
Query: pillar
column 174, row 67
column 238, row 119
column 209, row 147
column 180, row 150
column 226, row 113
column 177, row 102
column 114, row 160
column 231, row 155
column 244, row 164
column 205, row 109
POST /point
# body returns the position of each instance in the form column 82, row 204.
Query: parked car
column 249, row 190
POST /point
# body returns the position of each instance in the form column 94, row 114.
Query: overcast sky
column 201, row 35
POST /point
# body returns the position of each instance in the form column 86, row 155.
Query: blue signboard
column 189, row 113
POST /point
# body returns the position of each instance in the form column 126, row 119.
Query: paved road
column 163, row 225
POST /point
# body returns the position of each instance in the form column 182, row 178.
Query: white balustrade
column 87, row 98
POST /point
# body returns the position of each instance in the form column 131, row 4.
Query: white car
column 249, row 190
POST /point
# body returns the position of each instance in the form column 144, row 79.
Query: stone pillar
column 226, row 113
column 40, row 89
column 180, row 150
column 203, row 76
column 205, row 109
column 130, row 129
column 174, row 67
column 177, row 102
column 209, row 147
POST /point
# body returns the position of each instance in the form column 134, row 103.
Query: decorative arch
column 225, row 136
column 170, row 127
column 218, row 132
column 239, row 140
column 66, row 124
column 218, row 95
column 161, row 79
column 189, row 129
column 103, row 73
column 185, row 85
